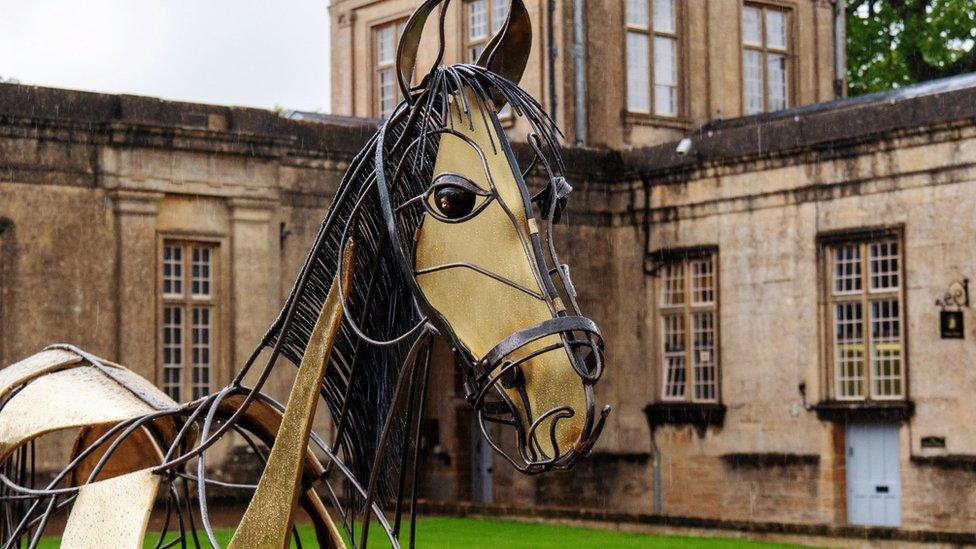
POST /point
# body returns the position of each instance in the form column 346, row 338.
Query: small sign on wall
column 951, row 324
column 933, row 442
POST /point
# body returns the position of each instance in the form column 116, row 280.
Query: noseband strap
column 550, row 326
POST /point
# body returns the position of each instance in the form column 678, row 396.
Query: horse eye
column 454, row 202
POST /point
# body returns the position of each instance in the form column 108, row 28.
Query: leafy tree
column 892, row 43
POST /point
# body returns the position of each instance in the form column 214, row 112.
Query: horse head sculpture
column 482, row 259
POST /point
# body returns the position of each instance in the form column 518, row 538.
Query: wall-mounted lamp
column 956, row 295
column 951, row 304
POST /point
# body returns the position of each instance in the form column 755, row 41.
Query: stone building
column 649, row 70
column 777, row 358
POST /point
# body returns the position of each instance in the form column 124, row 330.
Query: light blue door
column 873, row 485
column 481, row 466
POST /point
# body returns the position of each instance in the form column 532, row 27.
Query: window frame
column 788, row 52
column 505, row 116
column 466, row 41
column 398, row 23
column 863, row 239
column 687, row 309
column 678, row 35
column 187, row 300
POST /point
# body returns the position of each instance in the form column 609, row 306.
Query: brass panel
column 269, row 517
column 77, row 397
column 483, row 311
column 112, row 513
column 34, row 366
column 265, row 421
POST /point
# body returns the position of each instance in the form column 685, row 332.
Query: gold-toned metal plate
column 483, row 311
column 269, row 517
column 76, row 397
column 265, row 421
column 112, row 513
column 34, row 366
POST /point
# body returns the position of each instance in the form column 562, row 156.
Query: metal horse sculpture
column 433, row 232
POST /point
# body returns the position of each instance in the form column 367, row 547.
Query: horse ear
column 406, row 59
column 507, row 53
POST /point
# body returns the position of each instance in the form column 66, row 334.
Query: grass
column 472, row 533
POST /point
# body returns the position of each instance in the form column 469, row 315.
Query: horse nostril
column 512, row 377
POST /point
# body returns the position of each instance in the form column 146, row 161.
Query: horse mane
column 361, row 377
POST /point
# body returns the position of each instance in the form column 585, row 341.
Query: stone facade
column 709, row 62
column 90, row 185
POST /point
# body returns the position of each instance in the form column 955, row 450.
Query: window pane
column 883, row 260
column 775, row 29
column 847, row 269
column 665, row 76
column 776, row 81
column 752, row 81
column 886, row 348
column 751, row 27
column 664, row 15
column 499, row 12
column 702, row 281
column 172, row 269
column 172, row 351
column 201, row 334
column 384, row 44
column 638, row 77
column 637, row 13
column 703, row 333
column 848, row 350
column 673, row 285
column 665, row 100
column 674, row 355
column 477, row 19
column 385, row 93
column 474, row 52
column 200, row 280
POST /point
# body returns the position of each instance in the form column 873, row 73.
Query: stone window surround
column 397, row 22
column 505, row 116
column 491, row 26
column 655, row 261
column 679, row 35
column 831, row 404
column 790, row 52
column 219, row 246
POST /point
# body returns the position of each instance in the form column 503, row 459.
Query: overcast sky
column 258, row 53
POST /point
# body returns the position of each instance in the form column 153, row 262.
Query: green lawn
column 497, row 534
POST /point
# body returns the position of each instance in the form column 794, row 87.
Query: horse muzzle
column 520, row 385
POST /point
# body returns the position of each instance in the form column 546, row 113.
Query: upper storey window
column 765, row 58
column 386, row 91
column 652, row 57
column 482, row 19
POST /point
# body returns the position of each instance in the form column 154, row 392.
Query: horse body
column 433, row 233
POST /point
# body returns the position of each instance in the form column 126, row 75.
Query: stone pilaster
column 135, row 275
column 254, row 282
